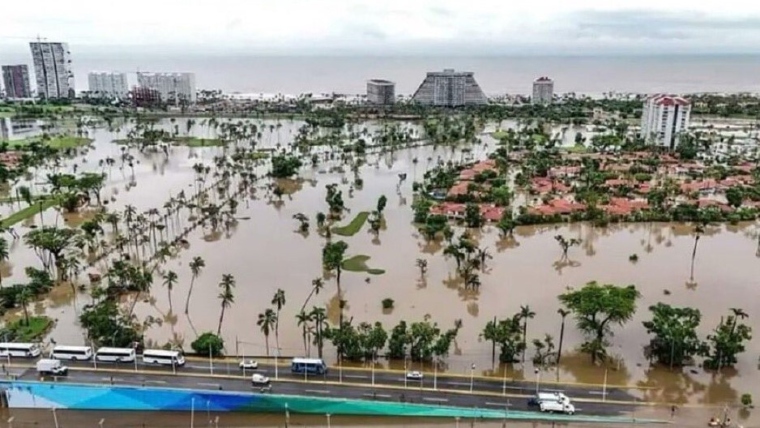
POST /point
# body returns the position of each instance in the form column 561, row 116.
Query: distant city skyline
column 448, row 27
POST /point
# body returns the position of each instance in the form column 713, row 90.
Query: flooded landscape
column 265, row 251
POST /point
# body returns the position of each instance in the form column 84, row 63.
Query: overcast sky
column 453, row 27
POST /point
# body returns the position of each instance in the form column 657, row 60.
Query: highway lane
column 319, row 388
column 389, row 378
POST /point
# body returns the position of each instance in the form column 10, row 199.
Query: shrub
column 746, row 400
column 208, row 343
column 388, row 303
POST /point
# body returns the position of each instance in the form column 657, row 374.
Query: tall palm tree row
column 226, row 296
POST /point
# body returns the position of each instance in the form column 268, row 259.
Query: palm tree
column 24, row 298
column 563, row 313
column 278, row 301
column 316, row 286
column 525, row 314
column 226, row 296
column 319, row 316
column 266, row 322
column 196, row 267
column 699, row 229
column 4, row 254
column 303, row 321
column 170, row 279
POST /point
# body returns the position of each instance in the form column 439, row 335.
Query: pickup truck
column 556, row 407
column 51, row 367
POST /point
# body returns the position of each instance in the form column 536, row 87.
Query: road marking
column 378, row 395
column 215, row 385
column 498, row 404
column 598, row 393
column 437, row 400
column 109, row 379
column 458, row 383
column 155, row 381
column 317, row 391
column 355, row 376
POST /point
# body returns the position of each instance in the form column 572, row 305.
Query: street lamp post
column 55, row 418
column 276, row 369
column 328, row 420
column 210, row 360
column 340, row 369
column 504, row 381
column 604, row 386
column 406, row 380
column 192, row 412
column 472, row 377
column 538, row 378
column 435, row 375
column 373, row 369
column 10, row 421
column 102, row 421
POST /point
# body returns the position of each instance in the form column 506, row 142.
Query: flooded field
column 265, row 252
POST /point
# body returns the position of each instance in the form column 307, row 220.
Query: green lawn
column 498, row 135
column 27, row 212
column 35, row 330
column 57, row 142
column 359, row 264
column 354, row 227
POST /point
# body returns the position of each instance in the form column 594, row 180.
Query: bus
column 24, row 350
column 115, row 355
column 74, row 353
column 160, row 356
column 308, row 365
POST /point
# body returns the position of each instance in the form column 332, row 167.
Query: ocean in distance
column 593, row 75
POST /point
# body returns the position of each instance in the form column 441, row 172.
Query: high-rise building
column 173, row 87
column 381, row 92
column 107, row 84
column 52, row 69
column 543, row 91
column 449, row 88
column 664, row 119
column 16, row 81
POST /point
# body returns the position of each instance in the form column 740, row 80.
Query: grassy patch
column 359, row 264
column 499, row 134
column 22, row 332
column 58, row 142
column 27, row 212
column 575, row 149
column 354, row 227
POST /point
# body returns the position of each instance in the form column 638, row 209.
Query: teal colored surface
column 74, row 396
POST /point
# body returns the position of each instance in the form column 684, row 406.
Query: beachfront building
column 664, row 119
column 16, row 81
column 381, row 92
column 107, row 84
column 543, row 91
column 449, row 88
column 52, row 69
column 173, row 87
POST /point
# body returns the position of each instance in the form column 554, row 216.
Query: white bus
column 74, row 353
column 308, row 365
column 115, row 355
column 160, row 356
column 24, row 350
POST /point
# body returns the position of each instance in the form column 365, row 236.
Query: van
column 48, row 366
column 259, row 380
column 557, row 407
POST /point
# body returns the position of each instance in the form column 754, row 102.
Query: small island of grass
column 354, row 226
column 57, row 142
column 359, row 264
column 22, row 331
column 25, row 213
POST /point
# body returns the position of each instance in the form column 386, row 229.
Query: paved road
column 317, row 388
column 388, row 378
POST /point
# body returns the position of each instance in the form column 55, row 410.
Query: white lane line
column 355, row 376
column 317, row 391
column 498, row 404
column 598, row 393
column 437, row 400
column 378, row 395
column 155, row 381
column 115, row 379
column 215, row 385
column 459, row 383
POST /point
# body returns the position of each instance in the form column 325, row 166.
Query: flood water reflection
column 265, row 252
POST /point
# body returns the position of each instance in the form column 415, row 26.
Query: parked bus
column 115, row 355
column 160, row 356
column 308, row 365
column 74, row 353
column 23, row 350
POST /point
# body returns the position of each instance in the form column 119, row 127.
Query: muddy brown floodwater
column 265, row 253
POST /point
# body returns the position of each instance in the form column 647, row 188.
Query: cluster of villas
column 630, row 180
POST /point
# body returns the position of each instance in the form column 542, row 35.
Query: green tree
column 398, row 341
column 50, row 244
column 266, row 323
column 278, row 300
column 226, row 296
column 596, row 309
column 382, row 201
column 196, row 267
column 735, row 196
column 674, row 329
column 284, row 166
column 319, row 316
column 106, row 325
column 507, row 335
column 562, row 313
column 472, row 216
column 4, row 254
column 316, row 286
column 170, row 280
column 24, row 298
column 208, row 343
column 303, row 319
column 566, row 244
column 525, row 314
column 728, row 340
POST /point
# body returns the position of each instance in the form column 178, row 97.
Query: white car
column 415, row 375
column 260, row 380
column 248, row 365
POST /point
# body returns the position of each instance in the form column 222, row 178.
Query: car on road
column 248, row 365
column 415, row 375
column 536, row 400
column 260, row 380
column 556, row 407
